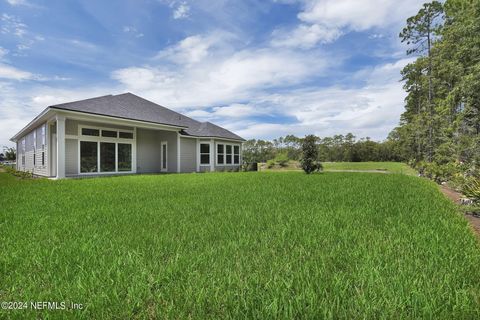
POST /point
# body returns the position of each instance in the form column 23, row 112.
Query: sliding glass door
column 105, row 157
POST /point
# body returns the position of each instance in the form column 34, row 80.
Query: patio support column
column 60, row 147
column 212, row 155
column 178, row 152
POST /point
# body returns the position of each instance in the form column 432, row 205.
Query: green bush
column 438, row 172
column 19, row 174
column 281, row 160
column 472, row 189
column 270, row 164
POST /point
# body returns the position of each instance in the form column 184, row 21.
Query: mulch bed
column 455, row 197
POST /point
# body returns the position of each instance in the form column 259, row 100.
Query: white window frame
column 35, row 148
column 223, row 153
column 98, row 140
column 232, row 154
column 239, row 152
column 209, row 154
column 162, row 169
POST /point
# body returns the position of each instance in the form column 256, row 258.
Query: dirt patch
column 2, row 170
column 455, row 197
column 353, row 170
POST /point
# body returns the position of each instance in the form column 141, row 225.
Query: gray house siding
column 71, row 156
column 148, row 150
column 188, row 156
column 29, row 164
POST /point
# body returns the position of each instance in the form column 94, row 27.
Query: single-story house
column 119, row 134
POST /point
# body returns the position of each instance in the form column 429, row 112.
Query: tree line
column 336, row 148
column 440, row 126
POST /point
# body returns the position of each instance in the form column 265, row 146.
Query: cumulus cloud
column 324, row 21
column 205, row 78
column 305, row 36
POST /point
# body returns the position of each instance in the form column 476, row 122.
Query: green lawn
column 238, row 245
column 391, row 167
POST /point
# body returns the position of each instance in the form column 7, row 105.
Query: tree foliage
column 441, row 122
column 310, row 161
column 10, row 154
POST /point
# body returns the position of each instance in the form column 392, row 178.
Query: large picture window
column 88, row 156
column 106, row 150
column 204, row 153
column 107, row 157
column 124, row 157
column 220, row 153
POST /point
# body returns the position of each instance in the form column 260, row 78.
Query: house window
column 124, row 157
column 220, row 153
column 109, row 133
column 125, row 135
column 204, row 153
column 90, row 132
column 88, row 156
column 43, row 158
column 23, row 152
column 43, row 137
column 236, row 154
column 229, row 154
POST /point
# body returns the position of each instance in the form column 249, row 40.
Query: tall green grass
column 237, row 245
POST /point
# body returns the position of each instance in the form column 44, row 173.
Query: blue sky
column 260, row 68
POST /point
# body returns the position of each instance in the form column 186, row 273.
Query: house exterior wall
column 148, row 150
column 34, row 146
column 188, row 155
column 71, row 156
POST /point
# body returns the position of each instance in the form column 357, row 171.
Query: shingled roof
column 130, row 106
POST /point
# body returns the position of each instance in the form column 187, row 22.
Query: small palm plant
column 472, row 189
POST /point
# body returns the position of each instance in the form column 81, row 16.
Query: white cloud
column 190, row 50
column 358, row 15
column 304, row 36
column 182, row 11
column 324, row 21
column 9, row 72
column 133, row 31
column 205, row 77
column 12, row 25
column 17, row 2
column 3, row 53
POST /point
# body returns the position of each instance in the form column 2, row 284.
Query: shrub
column 281, row 160
column 472, row 189
column 270, row 164
column 19, row 174
column 309, row 160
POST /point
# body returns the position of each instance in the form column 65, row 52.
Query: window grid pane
column 107, row 157
column 90, row 132
column 88, row 156
column 109, row 134
column 124, row 157
column 125, row 135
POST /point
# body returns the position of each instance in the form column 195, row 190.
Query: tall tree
column 420, row 33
